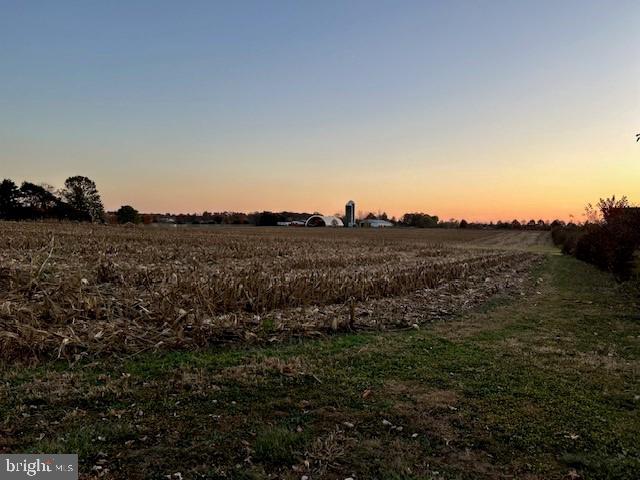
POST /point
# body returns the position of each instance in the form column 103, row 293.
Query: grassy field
column 537, row 378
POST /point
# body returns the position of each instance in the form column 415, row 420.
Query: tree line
column 78, row 200
column 425, row 220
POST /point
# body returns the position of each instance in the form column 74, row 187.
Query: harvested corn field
column 71, row 291
column 136, row 394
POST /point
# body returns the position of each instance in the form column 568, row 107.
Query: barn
column 375, row 223
column 323, row 221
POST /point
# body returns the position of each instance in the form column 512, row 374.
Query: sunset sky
column 481, row 110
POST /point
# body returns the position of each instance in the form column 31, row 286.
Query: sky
column 482, row 110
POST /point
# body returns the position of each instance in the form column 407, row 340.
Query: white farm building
column 323, row 221
column 374, row 223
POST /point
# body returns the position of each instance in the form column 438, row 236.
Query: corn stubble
column 73, row 291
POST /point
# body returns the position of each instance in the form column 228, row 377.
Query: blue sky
column 482, row 110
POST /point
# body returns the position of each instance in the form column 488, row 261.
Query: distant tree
column 451, row 223
column 40, row 201
column 235, row 218
column 370, row 216
column 515, row 224
column 82, row 195
column 420, row 220
column 9, row 196
column 266, row 219
column 383, row 216
column 463, row 223
column 128, row 214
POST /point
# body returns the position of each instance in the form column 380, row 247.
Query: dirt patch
column 606, row 359
column 420, row 396
column 435, row 415
column 56, row 386
column 260, row 369
column 424, row 411
column 437, row 399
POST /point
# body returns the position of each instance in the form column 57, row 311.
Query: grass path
column 543, row 386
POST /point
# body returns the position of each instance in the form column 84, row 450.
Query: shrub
column 566, row 238
column 609, row 242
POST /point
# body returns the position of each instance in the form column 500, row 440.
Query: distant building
column 322, row 221
column 293, row 223
column 350, row 214
column 374, row 223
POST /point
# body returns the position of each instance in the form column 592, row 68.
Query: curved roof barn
column 322, row 221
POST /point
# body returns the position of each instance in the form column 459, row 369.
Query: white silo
column 350, row 214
